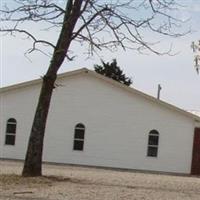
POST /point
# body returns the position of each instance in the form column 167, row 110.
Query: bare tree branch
column 196, row 50
column 114, row 19
column 35, row 41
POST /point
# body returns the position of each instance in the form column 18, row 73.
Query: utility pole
column 159, row 89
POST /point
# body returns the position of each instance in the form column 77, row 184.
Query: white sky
column 176, row 74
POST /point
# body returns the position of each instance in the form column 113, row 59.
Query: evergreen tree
column 113, row 71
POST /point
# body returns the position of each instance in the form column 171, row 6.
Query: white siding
column 117, row 126
column 19, row 104
column 197, row 124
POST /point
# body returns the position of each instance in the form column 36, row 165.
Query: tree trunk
column 33, row 160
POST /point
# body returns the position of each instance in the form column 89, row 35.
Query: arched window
column 79, row 134
column 153, row 142
column 11, row 131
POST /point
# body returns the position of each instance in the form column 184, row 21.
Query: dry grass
column 78, row 183
column 13, row 179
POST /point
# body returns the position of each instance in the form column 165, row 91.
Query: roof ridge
column 38, row 80
column 117, row 84
column 147, row 96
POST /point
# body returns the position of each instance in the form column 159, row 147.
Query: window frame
column 154, row 133
column 79, row 126
column 10, row 121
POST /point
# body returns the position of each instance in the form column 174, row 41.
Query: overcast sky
column 176, row 74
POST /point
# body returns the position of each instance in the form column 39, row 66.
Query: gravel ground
column 81, row 183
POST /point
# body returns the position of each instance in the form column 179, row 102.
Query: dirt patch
column 72, row 183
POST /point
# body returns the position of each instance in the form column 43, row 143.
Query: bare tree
column 99, row 24
column 196, row 49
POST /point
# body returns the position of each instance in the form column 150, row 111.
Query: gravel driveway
column 82, row 183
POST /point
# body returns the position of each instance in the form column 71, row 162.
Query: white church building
column 96, row 121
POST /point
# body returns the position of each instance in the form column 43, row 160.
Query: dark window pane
column 154, row 132
column 11, row 128
column 79, row 133
column 10, row 139
column 80, row 126
column 152, row 151
column 153, row 140
column 12, row 120
column 78, row 145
